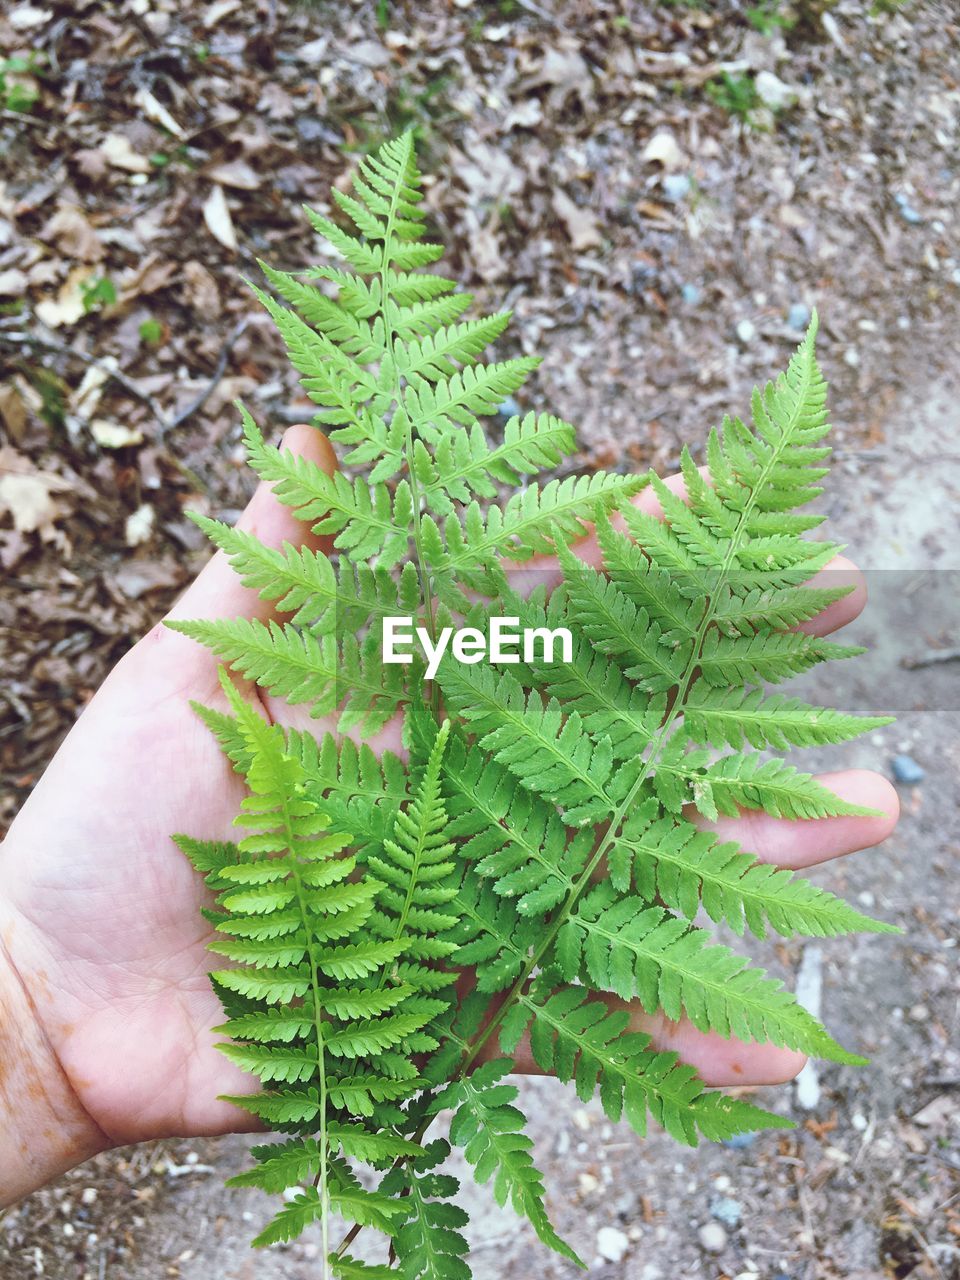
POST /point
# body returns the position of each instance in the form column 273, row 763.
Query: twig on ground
column 221, row 366
column 165, row 423
column 61, row 349
column 930, row 658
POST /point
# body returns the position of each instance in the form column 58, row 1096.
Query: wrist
column 44, row 1129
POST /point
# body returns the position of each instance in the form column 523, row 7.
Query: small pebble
column 907, row 211
column 906, row 770
column 676, row 186
column 772, row 91
column 612, row 1244
column 740, row 1141
column 727, row 1211
column 691, row 294
column 508, row 408
column 312, row 129
column 712, row 1237
column 798, row 316
column 746, row 331
column 89, row 1195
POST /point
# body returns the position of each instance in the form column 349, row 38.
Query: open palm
column 100, row 911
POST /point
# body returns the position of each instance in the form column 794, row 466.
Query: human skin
column 105, row 1007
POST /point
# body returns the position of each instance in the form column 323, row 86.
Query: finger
column 717, row 1060
column 807, row 842
column 217, row 592
column 840, row 572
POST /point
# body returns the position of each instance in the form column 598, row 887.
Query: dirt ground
column 661, row 253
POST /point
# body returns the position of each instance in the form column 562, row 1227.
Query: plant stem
column 321, row 1182
column 416, row 496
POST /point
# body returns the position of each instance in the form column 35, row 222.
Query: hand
column 100, row 913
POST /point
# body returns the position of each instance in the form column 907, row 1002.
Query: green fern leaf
column 489, row 1128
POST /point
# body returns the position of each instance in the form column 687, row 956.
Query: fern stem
column 321, row 1180
column 416, row 495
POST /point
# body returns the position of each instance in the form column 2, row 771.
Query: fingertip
column 217, row 591
column 720, row 1062
column 310, row 442
column 871, row 790
column 782, row 1065
column 270, row 520
column 840, row 572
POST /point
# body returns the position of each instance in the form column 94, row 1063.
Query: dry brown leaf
column 137, row 578
column 200, row 290
column 217, row 217
column 369, row 53
column 152, row 274
column 72, row 234
column 13, row 411
column 91, row 162
column 275, row 102
column 937, row 1112
column 485, row 251
column 565, row 69
column 13, row 283
column 234, row 173
column 581, row 224
column 154, row 110
column 664, row 149
column 27, row 494
column 67, row 307
column 656, row 212
column 118, row 152
column 486, row 171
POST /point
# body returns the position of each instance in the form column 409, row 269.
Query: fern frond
column 735, row 717
column 490, row 1129
column 417, row 869
column 580, row 1040
column 464, row 464
column 429, row 1245
column 510, row 834
column 671, row 861
column 551, row 755
column 635, row 950
column 290, row 663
